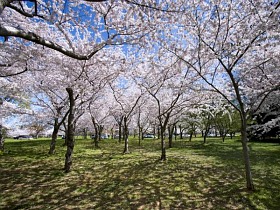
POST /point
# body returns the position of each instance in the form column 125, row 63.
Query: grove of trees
column 119, row 66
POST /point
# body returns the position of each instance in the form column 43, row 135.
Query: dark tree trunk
column 175, row 131
column 223, row 137
column 96, row 136
column 85, row 133
column 54, row 137
column 56, row 127
column 96, row 141
column 190, row 137
column 125, row 151
column 120, row 133
column 206, row 132
column 163, row 126
column 120, row 129
column 140, row 135
column 65, row 134
column 99, row 132
column 112, row 133
column 204, row 139
column 2, row 139
column 96, row 131
column 139, row 127
column 216, row 133
column 181, row 132
column 163, row 149
column 170, row 135
column 205, row 136
column 70, row 132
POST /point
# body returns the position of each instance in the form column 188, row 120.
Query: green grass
column 195, row 176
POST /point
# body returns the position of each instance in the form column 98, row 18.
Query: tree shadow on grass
column 118, row 183
column 144, row 185
column 264, row 158
column 199, row 177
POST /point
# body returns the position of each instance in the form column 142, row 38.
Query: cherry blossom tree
column 86, row 84
column 232, row 46
column 127, row 95
column 47, row 79
column 61, row 25
column 190, row 122
column 224, row 43
column 145, row 119
column 165, row 81
column 99, row 113
column 13, row 101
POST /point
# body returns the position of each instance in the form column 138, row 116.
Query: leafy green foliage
column 195, row 176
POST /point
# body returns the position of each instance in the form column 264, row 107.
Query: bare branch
column 14, row 74
column 26, row 14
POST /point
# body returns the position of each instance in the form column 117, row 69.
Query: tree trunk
column 181, row 132
column 175, row 131
column 125, row 129
column 224, row 136
column 163, row 126
column 85, row 133
column 2, row 139
column 70, row 132
column 112, row 133
column 54, row 137
column 140, row 135
column 249, row 179
column 190, row 138
column 205, row 134
column 97, row 133
column 98, row 129
column 216, row 133
column 120, row 129
column 65, row 134
column 170, row 135
column 126, row 151
column 163, row 149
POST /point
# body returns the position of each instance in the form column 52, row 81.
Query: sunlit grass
column 195, row 176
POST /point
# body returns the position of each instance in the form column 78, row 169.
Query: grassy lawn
column 195, row 176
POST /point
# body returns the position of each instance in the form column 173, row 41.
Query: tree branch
column 26, row 14
column 14, row 74
column 30, row 36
